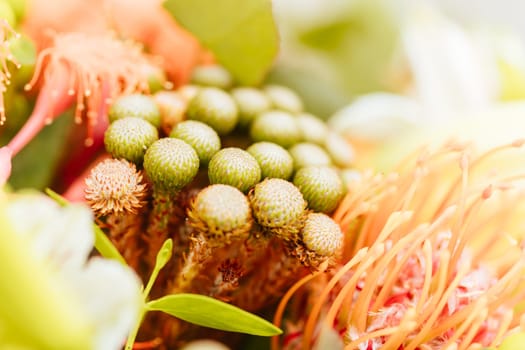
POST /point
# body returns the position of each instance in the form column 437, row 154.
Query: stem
column 133, row 334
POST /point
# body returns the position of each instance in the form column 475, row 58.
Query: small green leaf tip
column 274, row 160
column 308, row 154
column 170, row 164
column 276, row 126
column 129, row 138
column 214, row 107
column 135, row 105
column 235, row 167
column 200, row 136
column 321, row 187
column 279, row 206
column 284, row 98
column 212, row 75
column 208, row 312
column 251, row 102
column 221, row 212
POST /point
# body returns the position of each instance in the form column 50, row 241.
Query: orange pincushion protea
column 432, row 258
column 89, row 69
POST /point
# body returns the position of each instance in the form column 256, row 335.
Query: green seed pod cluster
column 129, row 138
column 221, row 213
column 276, row 126
column 135, row 105
column 321, row 187
column 235, row 167
column 279, row 207
column 171, row 164
column 309, row 154
column 274, row 160
column 200, row 136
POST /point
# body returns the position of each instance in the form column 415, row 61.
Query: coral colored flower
column 432, row 257
column 89, row 70
column 54, row 296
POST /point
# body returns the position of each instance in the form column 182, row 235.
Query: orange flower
column 89, row 69
column 432, row 257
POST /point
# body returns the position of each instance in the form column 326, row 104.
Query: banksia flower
column 308, row 154
column 278, row 206
column 129, row 138
column 251, row 102
column 276, row 126
column 235, row 167
column 274, row 160
column 321, row 187
column 284, row 98
column 200, row 136
column 214, row 107
column 135, row 105
column 433, row 257
column 115, row 187
column 90, row 70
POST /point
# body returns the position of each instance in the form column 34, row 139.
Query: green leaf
column 241, row 33
column 209, row 312
column 102, row 243
column 163, row 256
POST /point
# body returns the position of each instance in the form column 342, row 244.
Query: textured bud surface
column 277, row 203
column 135, row 105
column 199, row 136
column 129, row 138
column 251, row 102
column 321, row 187
column 322, row 235
column 308, row 154
column 215, row 108
column 115, row 186
column 172, row 107
column 170, row 164
column 312, row 128
column 340, row 150
column 274, row 160
column 212, row 75
column 276, row 126
column 235, row 167
column 221, row 211
column 284, row 98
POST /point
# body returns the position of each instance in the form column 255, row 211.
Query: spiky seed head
column 275, row 126
column 274, row 160
column 278, row 206
column 235, row 167
column 212, row 75
column 312, row 128
column 341, row 152
column 200, row 136
column 284, row 98
column 172, row 107
column 114, row 186
column 308, row 154
column 170, row 164
column 251, row 102
column 129, row 138
column 321, row 187
column 322, row 235
column 221, row 213
column 214, row 107
column 135, row 105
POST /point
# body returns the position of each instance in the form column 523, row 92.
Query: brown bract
column 115, row 186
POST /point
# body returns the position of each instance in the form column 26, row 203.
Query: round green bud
column 284, row 98
column 312, row 128
column 199, row 136
column 349, row 176
column 308, row 154
column 321, row 187
column 251, row 102
column 275, row 126
column 274, row 160
column 341, row 152
column 129, row 138
column 278, row 206
column 172, row 107
column 215, row 108
column 212, row 75
column 170, row 164
column 235, row 167
column 135, row 105
column 188, row 92
column 322, row 235
column 221, row 212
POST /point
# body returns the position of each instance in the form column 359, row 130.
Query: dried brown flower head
column 115, row 186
